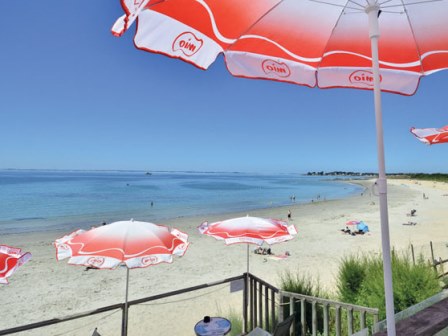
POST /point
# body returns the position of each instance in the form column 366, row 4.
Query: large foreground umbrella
column 249, row 230
column 307, row 42
column 131, row 243
column 431, row 136
column 11, row 258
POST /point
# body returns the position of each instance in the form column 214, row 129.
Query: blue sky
column 75, row 97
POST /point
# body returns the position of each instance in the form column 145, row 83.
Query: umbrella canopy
column 11, row 258
column 131, row 243
column 252, row 230
column 309, row 42
column 431, row 136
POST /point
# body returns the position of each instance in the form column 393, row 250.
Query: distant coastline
column 440, row 177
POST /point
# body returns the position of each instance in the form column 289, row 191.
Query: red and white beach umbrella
column 131, row 243
column 11, row 258
column 250, row 230
column 431, row 136
column 308, row 42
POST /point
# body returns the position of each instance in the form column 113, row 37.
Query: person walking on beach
column 289, row 214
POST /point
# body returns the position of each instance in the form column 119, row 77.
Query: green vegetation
column 430, row 177
column 360, row 281
column 237, row 323
column 306, row 285
column 439, row 177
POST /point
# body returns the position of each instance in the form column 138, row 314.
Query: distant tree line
column 340, row 173
column 418, row 176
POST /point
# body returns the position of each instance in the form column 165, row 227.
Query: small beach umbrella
column 360, row 225
column 328, row 44
column 249, row 230
column 133, row 244
column 11, row 258
column 431, row 136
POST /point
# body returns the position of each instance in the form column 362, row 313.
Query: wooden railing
column 324, row 313
column 263, row 306
column 259, row 309
column 437, row 264
column 121, row 306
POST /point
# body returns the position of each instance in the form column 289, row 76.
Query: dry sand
column 45, row 289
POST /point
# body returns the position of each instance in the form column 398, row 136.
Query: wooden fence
column 263, row 306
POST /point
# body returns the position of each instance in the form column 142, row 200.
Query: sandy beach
column 45, row 289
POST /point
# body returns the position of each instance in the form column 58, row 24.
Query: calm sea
column 32, row 200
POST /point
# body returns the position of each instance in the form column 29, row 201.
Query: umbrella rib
column 410, row 4
column 336, row 5
column 422, row 70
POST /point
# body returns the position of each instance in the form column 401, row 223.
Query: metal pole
column 372, row 10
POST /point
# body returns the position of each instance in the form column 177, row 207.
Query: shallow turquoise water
column 32, row 200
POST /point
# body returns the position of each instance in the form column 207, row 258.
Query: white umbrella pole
column 374, row 32
column 124, row 330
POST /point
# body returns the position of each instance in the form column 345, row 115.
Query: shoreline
column 45, row 288
column 87, row 220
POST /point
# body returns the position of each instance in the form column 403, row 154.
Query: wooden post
column 363, row 319
column 303, row 315
column 260, row 305
column 350, row 321
column 273, row 308
column 338, row 320
column 413, row 255
column 245, row 302
column 281, row 314
column 375, row 323
column 266, row 307
column 314, row 318
column 326, row 319
column 251, row 303
column 255, row 305
column 292, row 302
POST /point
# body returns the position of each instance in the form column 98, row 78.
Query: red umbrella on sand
column 367, row 44
column 249, row 230
column 131, row 243
column 11, row 258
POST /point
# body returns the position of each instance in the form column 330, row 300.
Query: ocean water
column 33, row 200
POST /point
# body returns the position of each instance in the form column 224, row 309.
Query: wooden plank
column 59, row 320
column 426, row 322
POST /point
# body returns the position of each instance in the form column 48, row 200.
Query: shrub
column 412, row 283
column 306, row 285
